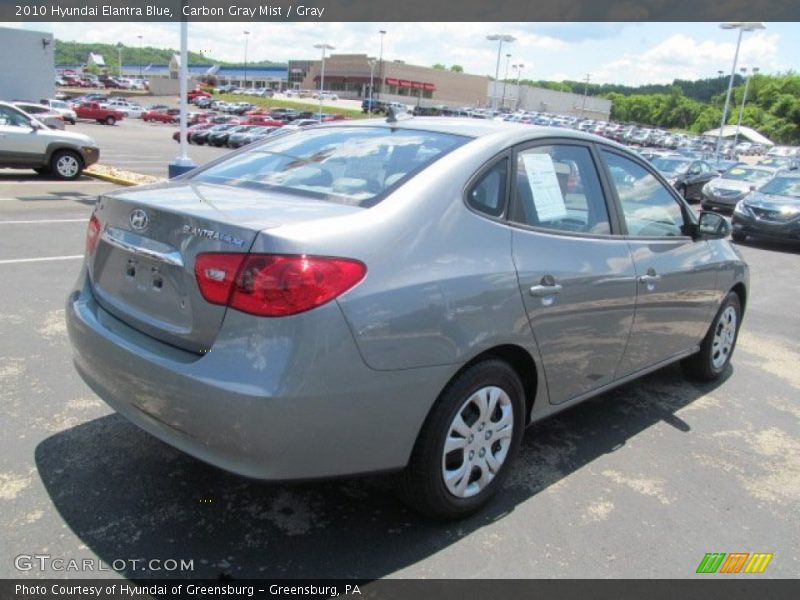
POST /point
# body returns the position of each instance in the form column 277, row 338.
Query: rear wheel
column 717, row 347
column 66, row 164
column 466, row 447
column 110, row 120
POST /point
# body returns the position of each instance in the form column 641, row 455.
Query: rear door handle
column 547, row 287
column 649, row 278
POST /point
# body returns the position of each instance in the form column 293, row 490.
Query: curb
column 120, row 177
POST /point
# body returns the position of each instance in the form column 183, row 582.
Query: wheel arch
column 57, row 146
column 520, row 360
column 741, row 291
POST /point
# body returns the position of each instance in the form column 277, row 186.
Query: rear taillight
column 92, row 234
column 274, row 285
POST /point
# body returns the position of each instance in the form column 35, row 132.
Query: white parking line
column 14, row 261
column 43, row 221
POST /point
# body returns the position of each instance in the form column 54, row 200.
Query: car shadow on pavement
column 786, row 247
column 128, row 496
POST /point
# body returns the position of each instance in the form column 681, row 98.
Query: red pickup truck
column 94, row 112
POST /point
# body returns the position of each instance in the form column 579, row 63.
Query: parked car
column 734, row 184
column 176, row 135
column 203, row 102
column 686, row 175
column 248, row 136
column 28, row 144
column 256, row 297
column 44, row 114
column 170, row 115
column 219, row 138
column 95, row 112
column 62, row 108
column 780, row 162
column 200, row 137
column 771, row 212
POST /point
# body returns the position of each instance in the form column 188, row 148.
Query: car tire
column 110, row 120
column 738, row 236
column 66, row 164
column 719, row 343
column 462, row 413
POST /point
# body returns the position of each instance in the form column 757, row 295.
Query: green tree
column 457, row 69
column 439, row 67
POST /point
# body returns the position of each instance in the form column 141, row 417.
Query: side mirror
column 712, row 226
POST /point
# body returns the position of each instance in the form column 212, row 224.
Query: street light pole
column 505, row 80
column 519, row 68
column 246, row 38
column 585, row 93
column 742, row 27
column 119, row 58
column 371, row 80
column 139, row 59
column 499, row 38
column 380, row 65
column 744, row 101
column 322, row 47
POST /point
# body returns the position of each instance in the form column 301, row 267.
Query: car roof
column 504, row 131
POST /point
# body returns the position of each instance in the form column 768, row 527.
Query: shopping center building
column 349, row 76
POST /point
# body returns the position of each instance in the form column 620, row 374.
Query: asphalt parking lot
column 141, row 147
column 641, row 482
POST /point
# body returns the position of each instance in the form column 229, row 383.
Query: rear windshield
column 349, row 165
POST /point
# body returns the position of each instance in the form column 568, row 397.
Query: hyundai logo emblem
column 139, row 219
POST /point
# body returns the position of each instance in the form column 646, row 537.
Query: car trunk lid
column 142, row 270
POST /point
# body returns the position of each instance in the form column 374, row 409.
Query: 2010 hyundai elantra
column 396, row 295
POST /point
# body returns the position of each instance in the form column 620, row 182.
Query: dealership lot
column 641, row 482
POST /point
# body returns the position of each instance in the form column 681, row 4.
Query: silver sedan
column 404, row 295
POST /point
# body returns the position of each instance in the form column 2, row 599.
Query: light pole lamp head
column 324, row 47
column 501, row 37
column 743, row 25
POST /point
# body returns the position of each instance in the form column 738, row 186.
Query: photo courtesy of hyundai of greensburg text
column 399, row 300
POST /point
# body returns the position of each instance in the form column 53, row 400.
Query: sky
column 625, row 53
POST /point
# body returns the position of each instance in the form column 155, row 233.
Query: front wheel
column 738, row 236
column 66, row 164
column 466, row 447
column 110, row 120
column 717, row 347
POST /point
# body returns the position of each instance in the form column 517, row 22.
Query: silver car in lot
column 401, row 295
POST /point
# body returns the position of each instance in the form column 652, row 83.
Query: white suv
column 26, row 143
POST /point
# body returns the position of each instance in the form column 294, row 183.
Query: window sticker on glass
column 544, row 185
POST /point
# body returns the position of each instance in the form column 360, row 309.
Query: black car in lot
column 686, row 175
column 770, row 212
column 220, row 138
column 201, row 137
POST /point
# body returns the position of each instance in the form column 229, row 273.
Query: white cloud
column 682, row 57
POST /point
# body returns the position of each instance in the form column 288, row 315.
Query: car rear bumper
column 292, row 399
column 766, row 229
column 721, row 203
